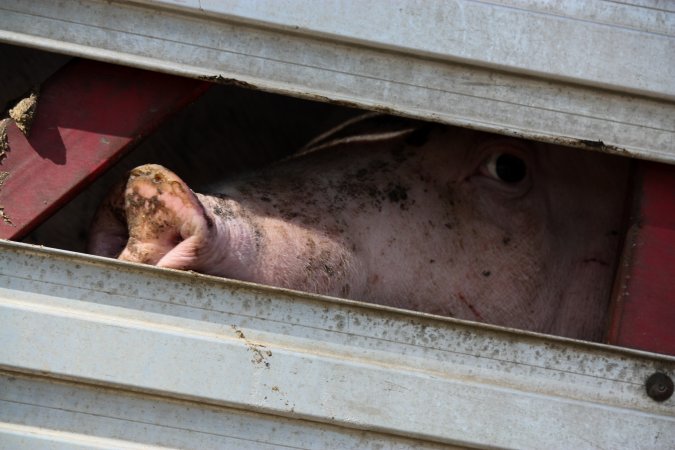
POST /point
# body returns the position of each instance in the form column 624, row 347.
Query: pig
column 438, row 219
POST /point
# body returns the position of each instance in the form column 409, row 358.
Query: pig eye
column 506, row 167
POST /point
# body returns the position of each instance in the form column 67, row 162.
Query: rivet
column 659, row 387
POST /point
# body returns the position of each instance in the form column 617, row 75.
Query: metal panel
column 521, row 36
column 135, row 350
column 75, row 415
column 596, row 75
column 643, row 309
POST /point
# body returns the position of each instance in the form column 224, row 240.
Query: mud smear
column 398, row 194
column 3, row 178
column 4, row 217
column 4, row 143
column 23, row 113
column 259, row 351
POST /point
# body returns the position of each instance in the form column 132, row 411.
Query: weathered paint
column 88, row 115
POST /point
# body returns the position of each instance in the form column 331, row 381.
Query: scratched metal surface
column 96, row 353
column 594, row 75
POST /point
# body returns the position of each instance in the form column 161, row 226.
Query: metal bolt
column 659, row 387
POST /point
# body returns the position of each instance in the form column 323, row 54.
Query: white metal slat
column 87, row 416
column 339, row 365
column 620, row 100
column 580, row 41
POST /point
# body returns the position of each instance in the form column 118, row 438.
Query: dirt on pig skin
column 436, row 219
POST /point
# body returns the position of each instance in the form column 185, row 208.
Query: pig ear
column 369, row 127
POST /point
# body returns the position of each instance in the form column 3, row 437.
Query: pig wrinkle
column 273, row 256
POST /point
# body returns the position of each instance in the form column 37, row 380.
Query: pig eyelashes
column 506, row 167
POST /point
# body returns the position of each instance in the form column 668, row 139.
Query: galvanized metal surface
column 74, row 415
column 516, row 35
column 596, row 75
column 96, row 352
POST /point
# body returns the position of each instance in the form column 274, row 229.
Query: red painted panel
column 88, row 115
column 643, row 315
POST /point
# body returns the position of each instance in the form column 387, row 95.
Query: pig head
column 436, row 219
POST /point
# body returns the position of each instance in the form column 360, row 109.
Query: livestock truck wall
column 99, row 353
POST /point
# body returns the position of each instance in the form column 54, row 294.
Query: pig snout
column 446, row 221
column 154, row 218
